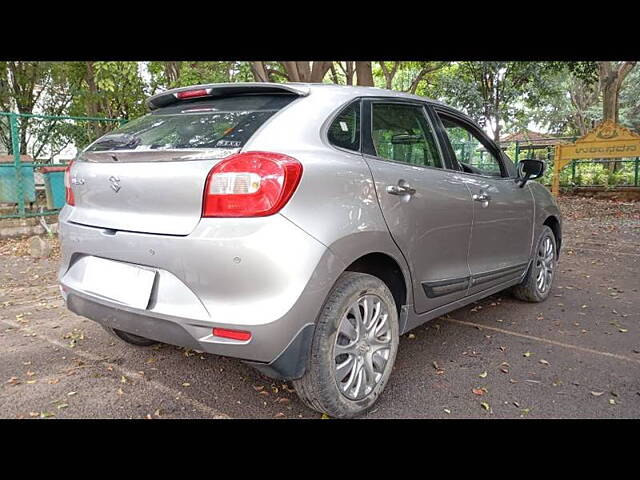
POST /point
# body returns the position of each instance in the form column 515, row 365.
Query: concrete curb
column 26, row 230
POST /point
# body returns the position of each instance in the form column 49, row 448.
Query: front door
column 502, row 211
column 428, row 208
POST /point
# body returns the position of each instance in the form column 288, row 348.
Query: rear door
column 427, row 208
column 503, row 212
column 149, row 175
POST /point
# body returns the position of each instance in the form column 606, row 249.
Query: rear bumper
column 164, row 330
column 264, row 275
column 288, row 365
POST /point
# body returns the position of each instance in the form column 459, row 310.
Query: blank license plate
column 127, row 284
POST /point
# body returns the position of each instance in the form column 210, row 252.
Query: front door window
column 469, row 150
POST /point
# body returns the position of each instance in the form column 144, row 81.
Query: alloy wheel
column 362, row 347
column 545, row 265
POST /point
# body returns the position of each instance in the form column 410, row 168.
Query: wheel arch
column 292, row 362
column 554, row 224
column 387, row 269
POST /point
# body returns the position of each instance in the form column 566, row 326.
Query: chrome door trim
column 366, row 139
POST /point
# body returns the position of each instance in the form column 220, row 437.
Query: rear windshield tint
column 221, row 123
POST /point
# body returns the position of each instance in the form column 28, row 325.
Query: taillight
column 232, row 334
column 70, row 199
column 192, row 94
column 250, row 184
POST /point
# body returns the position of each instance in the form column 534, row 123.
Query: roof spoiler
column 225, row 89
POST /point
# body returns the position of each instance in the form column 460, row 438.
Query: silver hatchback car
column 299, row 227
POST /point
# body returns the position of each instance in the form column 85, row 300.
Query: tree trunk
column 23, row 81
column 319, row 70
column 610, row 105
column 291, row 69
column 93, row 103
column 334, row 74
column 306, row 72
column 610, row 87
column 364, row 74
column 496, row 132
column 612, row 75
column 259, row 71
column 582, row 95
column 172, row 73
column 389, row 74
column 348, row 72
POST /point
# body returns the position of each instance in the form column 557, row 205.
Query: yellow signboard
column 607, row 140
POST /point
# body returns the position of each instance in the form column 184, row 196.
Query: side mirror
column 529, row 169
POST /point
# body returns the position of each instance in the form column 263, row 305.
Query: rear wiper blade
column 118, row 140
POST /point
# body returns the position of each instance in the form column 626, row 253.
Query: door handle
column 481, row 197
column 400, row 189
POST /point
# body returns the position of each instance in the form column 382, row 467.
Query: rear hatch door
column 148, row 195
column 149, row 176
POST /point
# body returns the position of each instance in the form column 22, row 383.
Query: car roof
column 359, row 91
column 303, row 89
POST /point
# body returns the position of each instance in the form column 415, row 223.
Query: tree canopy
column 562, row 98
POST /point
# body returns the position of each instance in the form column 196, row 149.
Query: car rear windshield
column 226, row 122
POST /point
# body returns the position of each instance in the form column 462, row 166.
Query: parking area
column 577, row 355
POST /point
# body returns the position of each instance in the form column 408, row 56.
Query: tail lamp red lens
column 192, row 94
column 69, row 198
column 251, row 184
column 232, row 334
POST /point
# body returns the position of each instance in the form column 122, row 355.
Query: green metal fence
column 31, row 141
column 581, row 173
column 607, row 173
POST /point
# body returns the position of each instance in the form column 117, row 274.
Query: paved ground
column 577, row 355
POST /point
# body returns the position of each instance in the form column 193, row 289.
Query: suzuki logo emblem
column 115, row 183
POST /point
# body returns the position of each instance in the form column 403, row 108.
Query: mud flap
column 291, row 364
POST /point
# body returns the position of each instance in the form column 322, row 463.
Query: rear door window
column 402, row 133
column 226, row 122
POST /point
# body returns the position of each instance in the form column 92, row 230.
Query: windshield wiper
column 117, row 141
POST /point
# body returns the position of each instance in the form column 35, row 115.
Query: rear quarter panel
column 336, row 200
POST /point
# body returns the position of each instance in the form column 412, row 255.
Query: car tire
column 130, row 338
column 344, row 385
column 538, row 282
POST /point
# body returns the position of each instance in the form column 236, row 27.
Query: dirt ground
column 577, row 355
